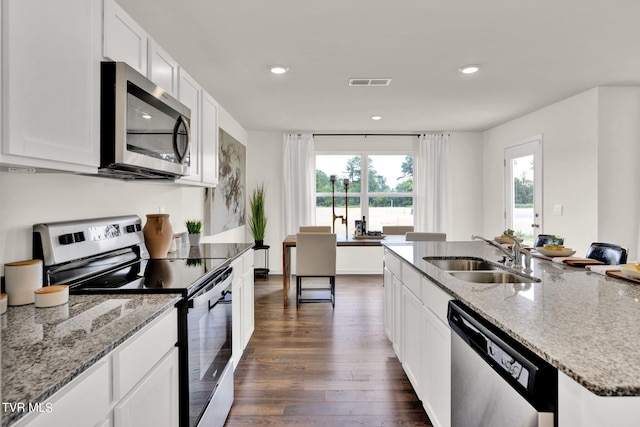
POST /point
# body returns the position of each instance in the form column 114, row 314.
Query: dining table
column 341, row 241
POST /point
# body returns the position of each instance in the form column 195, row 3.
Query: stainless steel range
column 106, row 255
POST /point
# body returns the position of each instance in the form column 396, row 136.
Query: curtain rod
column 374, row 134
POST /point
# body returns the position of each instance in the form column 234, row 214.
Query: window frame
column 364, row 193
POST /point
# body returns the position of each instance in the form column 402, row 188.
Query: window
column 384, row 195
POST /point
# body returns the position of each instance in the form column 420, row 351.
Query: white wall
column 590, row 142
column 264, row 164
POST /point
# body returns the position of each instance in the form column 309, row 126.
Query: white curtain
column 432, row 184
column 299, row 169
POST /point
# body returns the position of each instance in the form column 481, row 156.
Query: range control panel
column 61, row 242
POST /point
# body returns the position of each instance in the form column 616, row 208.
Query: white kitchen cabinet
column 578, row 407
column 437, row 370
column 190, row 94
column 242, row 304
column 154, row 402
column 163, row 69
column 388, row 303
column 416, row 324
column 135, row 385
column 51, row 84
column 209, row 140
column 413, row 337
column 124, row 40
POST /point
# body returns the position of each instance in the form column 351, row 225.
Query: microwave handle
column 182, row 120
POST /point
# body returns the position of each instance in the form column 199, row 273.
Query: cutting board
column 620, row 275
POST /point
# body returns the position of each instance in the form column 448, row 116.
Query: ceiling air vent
column 369, row 82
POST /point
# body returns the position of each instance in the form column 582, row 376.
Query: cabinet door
column 247, row 308
column 388, row 304
column 189, row 94
column 397, row 317
column 437, row 379
column 124, row 40
column 163, row 69
column 236, row 313
column 51, row 84
column 209, row 140
column 413, row 336
column 154, row 402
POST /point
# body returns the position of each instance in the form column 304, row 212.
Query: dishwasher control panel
column 508, row 363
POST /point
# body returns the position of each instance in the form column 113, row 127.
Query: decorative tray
column 369, row 237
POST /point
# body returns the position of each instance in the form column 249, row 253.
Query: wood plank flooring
column 318, row 366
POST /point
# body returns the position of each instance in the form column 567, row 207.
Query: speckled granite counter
column 585, row 324
column 45, row 348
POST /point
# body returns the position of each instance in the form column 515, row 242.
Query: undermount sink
column 492, row 277
column 462, row 264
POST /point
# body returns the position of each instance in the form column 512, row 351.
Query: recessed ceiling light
column 278, row 69
column 146, row 116
column 376, row 117
column 469, row 69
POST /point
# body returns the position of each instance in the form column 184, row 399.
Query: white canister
column 21, row 279
column 51, row 296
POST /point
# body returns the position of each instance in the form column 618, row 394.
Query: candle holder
column 343, row 218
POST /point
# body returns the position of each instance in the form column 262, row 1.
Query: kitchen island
column 585, row 324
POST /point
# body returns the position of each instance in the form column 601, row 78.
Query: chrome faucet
column 515, row 253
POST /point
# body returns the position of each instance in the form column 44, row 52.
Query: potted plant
column 194, row 228
column 258, row 220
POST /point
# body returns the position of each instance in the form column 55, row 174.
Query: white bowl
column 555, row 252
column 630, row 270
column 505, row 240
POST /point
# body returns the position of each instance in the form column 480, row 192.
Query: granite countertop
column 585, row 324
column 45, row 348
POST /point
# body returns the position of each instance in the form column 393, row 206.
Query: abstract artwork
column 227, row 205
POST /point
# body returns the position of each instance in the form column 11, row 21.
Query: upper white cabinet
column 190, row 94
column 209, row 140
column 51, row 84
column 124, row 40
column 163, row 69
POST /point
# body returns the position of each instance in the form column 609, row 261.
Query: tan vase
column 157, row 235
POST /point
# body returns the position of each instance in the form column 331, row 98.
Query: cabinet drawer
column 393, row 263
column 411, row 280
column 143, row 351
column 435, row 299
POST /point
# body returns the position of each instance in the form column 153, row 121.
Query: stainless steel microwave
column 144, row 132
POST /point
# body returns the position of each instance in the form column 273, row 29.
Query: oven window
column 209, row 349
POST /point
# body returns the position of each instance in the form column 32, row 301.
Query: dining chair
column 315, row 229
column 608, row 253
column 417, row 236
column 545, row 239
column 315, row 257
column 396, row 230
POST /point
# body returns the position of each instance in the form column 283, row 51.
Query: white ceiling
column 532, row 53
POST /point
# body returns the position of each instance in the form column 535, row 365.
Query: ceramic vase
column 194, row 239
column 157, row 235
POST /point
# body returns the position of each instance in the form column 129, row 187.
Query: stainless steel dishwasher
column 495, row 381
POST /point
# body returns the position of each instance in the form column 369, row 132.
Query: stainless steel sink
column 462, row 264
column 492, row 277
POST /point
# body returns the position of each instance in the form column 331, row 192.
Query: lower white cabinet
column 154, row 401
column 416, row 324
column 413, row 337
column 242, row 304
column 145, row 394
column 578, row 407
column 437, row 370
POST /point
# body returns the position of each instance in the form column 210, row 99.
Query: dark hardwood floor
column 318, row 366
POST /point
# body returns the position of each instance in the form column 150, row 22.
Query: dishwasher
column 496, row 381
